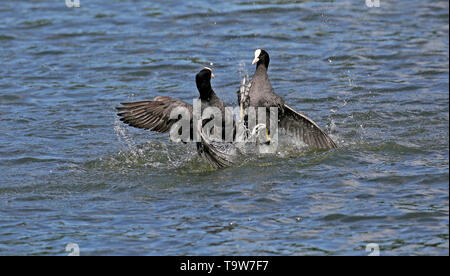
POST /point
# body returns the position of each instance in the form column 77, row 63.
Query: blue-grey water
column 376, row 79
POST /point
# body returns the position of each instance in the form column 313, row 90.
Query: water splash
column 124, row 138
column 151, row 154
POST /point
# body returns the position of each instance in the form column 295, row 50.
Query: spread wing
column 153, row 115
column 305, row 129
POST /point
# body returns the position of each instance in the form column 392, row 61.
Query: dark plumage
column 259, row 93
column 155, row 115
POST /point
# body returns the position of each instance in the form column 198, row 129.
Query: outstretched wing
column 305, row 129
column 153, row 115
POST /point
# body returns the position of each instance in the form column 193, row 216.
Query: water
column 375, row 78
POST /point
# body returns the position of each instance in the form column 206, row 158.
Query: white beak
column 212, row 75
column 257, row 53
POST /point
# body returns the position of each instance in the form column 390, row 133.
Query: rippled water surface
column 376, row 79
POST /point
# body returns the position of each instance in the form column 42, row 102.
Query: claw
column 268, row 137
column 259, row 127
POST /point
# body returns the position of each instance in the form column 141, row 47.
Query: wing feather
column 154, row 115
column 302, row 127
